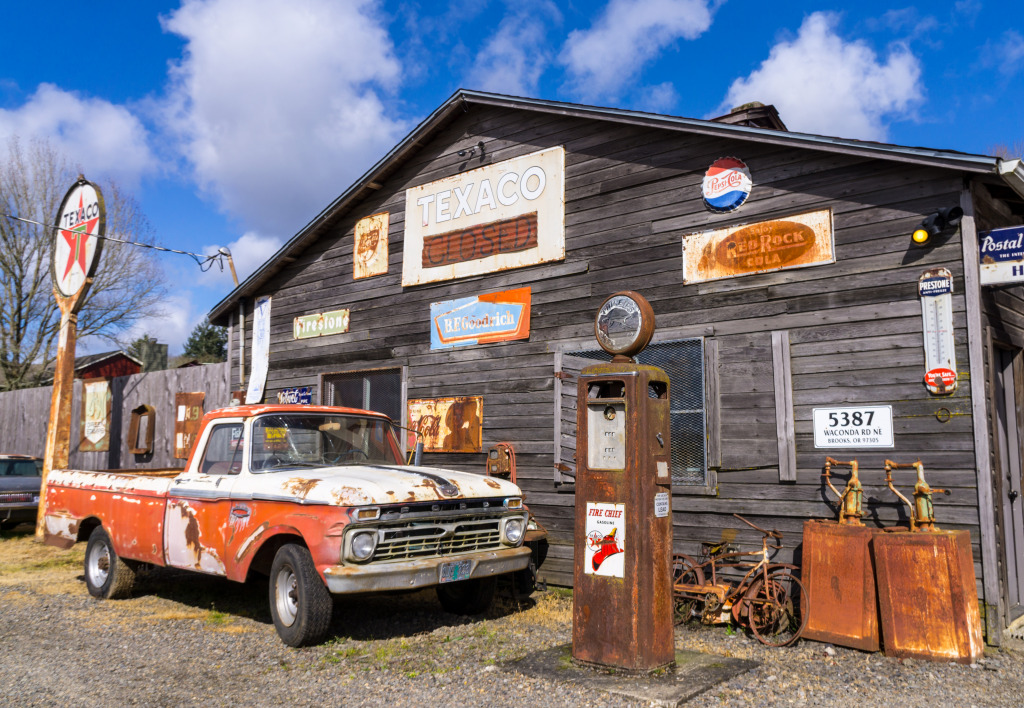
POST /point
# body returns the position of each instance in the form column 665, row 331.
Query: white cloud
column 627, row 35
column 1008, row 53
column 513, row 59
column 823, row 84
column 278, row 105
column 100, row 137
column 249, row 252
column 172, row 327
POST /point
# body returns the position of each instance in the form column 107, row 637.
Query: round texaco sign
column 76, row 250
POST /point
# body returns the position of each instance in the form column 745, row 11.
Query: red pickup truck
column 317, row 498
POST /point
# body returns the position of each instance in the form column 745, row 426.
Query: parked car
column 20, row 479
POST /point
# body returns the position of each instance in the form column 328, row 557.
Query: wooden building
column 796, row 299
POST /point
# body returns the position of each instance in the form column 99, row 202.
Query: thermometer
column 936, row 290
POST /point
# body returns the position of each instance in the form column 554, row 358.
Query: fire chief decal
column 81, row 222
column 606, row 539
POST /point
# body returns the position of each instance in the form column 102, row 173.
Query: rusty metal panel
column 795, row 242
column 188, row 418
column 451, row 424
column 95, row 428
column 509, row 214
column 622, row 600
column 370, row 252
column 839, row 574
column 927, row 596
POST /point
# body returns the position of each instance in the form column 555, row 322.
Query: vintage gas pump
column 622, row 603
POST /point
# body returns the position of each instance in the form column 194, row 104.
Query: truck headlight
column 513, row 531
column 361, row 545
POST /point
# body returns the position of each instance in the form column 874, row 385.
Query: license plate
column 456, row 570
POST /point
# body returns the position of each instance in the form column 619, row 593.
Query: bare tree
column 128, row 285
column 1007, row 152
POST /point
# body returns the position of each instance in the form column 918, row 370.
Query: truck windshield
column 291, row 440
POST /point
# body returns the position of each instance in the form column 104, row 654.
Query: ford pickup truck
column 317, row 498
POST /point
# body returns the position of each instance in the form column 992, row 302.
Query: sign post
column 81, row 223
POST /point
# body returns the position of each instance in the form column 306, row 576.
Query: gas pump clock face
column 624, row 324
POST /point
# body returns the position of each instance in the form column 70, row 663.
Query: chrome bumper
column 404, row 575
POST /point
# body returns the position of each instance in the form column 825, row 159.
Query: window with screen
column 683, row 361
column 378, row 390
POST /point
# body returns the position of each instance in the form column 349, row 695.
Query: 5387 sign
column 861, row 426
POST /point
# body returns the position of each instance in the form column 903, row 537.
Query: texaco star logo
column 76, row 247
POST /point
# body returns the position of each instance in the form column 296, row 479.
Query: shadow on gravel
column 357, row 617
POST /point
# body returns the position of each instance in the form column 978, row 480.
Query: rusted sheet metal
column 448, row 424
column 839, row 573
column 927, row 596
column 509, row 214
column 795, row 242
column 371, row 246
column 622, row 603
column 188, row 418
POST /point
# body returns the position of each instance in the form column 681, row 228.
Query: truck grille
column 426, row 539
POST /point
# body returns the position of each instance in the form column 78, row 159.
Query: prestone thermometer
column 936, row 290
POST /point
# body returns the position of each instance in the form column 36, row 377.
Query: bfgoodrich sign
column 507, row 215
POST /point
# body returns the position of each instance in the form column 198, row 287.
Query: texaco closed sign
column 506, row 215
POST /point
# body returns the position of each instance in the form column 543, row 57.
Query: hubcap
column 98, row 566
column 286, row 594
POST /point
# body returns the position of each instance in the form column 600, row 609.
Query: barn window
column 377, row 390
column 683, row 361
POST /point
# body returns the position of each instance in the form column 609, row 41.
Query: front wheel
column 299, row 601
column 107, row 576
column 777, row 609
column 688, row 604
column 467, row 597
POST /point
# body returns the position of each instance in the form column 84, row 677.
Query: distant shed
column 783, row 299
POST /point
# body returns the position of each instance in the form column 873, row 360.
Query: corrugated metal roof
column 948, row 159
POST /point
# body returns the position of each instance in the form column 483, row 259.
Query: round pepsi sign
column 726, row 184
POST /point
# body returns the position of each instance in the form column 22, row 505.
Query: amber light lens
column 920, row 236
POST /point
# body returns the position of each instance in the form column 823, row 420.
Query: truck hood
column 358, row 485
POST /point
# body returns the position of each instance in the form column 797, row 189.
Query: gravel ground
column 185, row 638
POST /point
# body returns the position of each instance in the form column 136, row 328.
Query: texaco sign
column 80, row 220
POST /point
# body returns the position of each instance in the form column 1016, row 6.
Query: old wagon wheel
column 685, row 571
column 777, row 609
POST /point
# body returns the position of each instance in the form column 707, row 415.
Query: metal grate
column 425, row 539
column 377, row 390
column 683, row 361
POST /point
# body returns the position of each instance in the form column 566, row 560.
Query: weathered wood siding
column 854, row 327
column 24, row 415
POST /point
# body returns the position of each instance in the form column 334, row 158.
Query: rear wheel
column 107, row 576
column 300, row 603
column 467, row 597
column 777, row 609
column 688, row 605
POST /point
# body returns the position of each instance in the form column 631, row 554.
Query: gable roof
column 1011, row 171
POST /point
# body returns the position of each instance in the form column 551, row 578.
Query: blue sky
column 234, row 122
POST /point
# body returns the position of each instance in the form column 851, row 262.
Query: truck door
column 199, row 502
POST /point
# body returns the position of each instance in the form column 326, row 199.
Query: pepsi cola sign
column 726, row 185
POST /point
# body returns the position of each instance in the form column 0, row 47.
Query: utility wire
column 204, row 262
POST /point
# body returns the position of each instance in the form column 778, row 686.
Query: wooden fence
column 24, row 415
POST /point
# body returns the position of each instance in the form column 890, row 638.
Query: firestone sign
column 497, row 317
column 81, row 223
column 507, row 215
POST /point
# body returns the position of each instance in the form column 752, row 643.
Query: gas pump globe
column 622, row 600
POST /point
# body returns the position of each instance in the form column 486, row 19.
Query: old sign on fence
column 1001, row 256
column 794, row 242
column 321, row 324
column 187, row 420
column 448, row 424
column 506, row 215
column 496, row 317
column 96, row 399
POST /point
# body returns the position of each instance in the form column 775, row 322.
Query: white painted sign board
column 853, row 426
